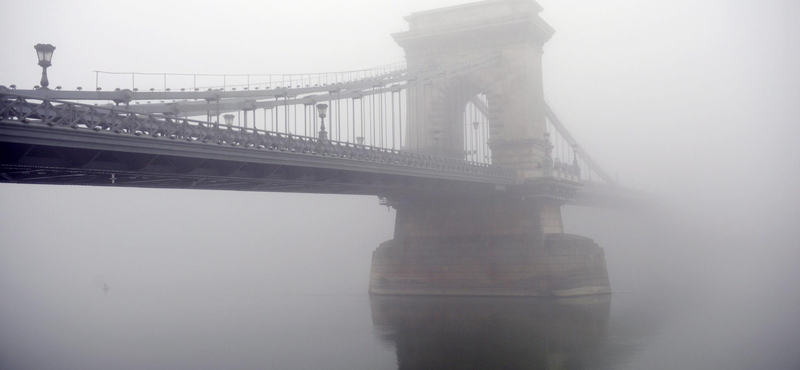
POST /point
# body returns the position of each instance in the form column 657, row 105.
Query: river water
column 690, row 292
column 160, row 329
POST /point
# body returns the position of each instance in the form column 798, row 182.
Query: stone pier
column 503, row 245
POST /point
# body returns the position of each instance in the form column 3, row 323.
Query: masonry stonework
column 496, row 246
column 511, row 32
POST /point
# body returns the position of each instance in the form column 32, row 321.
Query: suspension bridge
column 458, row 138
column 371, row 119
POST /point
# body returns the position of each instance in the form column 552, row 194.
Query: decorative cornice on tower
column 477, row 25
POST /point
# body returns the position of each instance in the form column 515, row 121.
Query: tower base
column 566, row 265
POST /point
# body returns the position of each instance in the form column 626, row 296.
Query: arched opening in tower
column 476, row 130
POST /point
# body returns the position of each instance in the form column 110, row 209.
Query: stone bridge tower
column 509, row 241
column 512, row 31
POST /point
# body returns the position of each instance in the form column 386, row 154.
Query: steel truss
column 109, row 124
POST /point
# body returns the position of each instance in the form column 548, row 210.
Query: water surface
column 160, row 329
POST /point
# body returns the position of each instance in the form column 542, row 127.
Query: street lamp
column 228, row 120
column 547, row 160
column 475, row 136
column 45, row 54
column 322, row 108
column 575, row 164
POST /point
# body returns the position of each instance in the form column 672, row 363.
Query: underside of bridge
column 40, row 154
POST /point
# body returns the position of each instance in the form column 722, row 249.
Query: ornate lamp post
column 576, row 167
column 547, row 160
column 45, row 54
column 228, row 120
column 475, row 135
column 322, row 108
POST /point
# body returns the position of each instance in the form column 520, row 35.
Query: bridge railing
column 566, row 146
column 57, row 113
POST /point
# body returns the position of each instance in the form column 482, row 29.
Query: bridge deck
column 31, row 154
column 45, row 141
column 57, row 142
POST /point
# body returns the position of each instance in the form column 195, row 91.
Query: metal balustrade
column 57, row 113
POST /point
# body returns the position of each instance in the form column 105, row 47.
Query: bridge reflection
column 493, row 333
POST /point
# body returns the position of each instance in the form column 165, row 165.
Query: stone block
column 568, row 265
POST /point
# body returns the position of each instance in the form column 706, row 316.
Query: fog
column 695, row 103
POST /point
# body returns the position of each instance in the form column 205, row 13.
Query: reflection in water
column 492, row 333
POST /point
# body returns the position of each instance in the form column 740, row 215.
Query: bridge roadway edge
column 318, row 174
